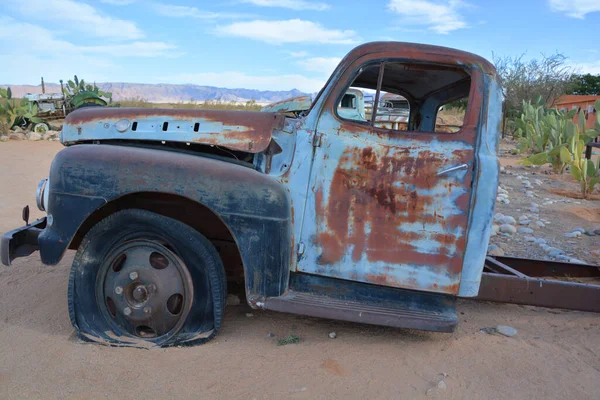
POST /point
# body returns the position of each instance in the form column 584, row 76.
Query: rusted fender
column 248, row 131
column 254, row 207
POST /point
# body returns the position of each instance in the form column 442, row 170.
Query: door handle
column 452, row 169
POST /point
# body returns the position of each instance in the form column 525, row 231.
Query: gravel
column 550, row 249
column 507, row 219
column 525, row 230
column 506, row 330
column 507, row 228
column 494, row 250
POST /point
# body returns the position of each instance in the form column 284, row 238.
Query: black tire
column 86, row 298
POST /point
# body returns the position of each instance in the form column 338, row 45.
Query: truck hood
column 248, row 131
column 295, row 104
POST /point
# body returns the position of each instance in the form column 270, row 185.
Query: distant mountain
column 167, row 93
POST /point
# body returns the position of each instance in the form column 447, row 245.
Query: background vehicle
column 316, row 208
column 46, row 107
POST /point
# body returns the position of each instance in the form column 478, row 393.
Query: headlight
column 41, row 195
column 122, row 125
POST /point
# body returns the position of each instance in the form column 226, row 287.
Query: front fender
column 255, row 208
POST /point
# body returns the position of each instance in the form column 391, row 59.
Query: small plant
column 289, row 339
column 582, row 169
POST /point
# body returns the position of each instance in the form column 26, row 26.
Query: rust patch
column 374, row 193
column 248, row 131
column 249, row 118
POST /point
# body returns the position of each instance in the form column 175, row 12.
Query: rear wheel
column 140, row 278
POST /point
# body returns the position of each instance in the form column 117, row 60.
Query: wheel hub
column 146, row 289
column 140, row 294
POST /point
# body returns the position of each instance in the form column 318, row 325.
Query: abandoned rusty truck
column 320, row 207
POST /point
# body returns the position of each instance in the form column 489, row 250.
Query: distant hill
column 167, row 93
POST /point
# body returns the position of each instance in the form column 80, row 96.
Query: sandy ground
column 555, row 355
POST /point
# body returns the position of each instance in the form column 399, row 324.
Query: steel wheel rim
column 144, row 289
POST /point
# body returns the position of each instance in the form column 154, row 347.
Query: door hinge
column 317, row 139
column 300, row 248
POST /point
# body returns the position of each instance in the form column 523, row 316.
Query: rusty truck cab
column 398, row 201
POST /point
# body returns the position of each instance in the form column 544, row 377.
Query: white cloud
column 290, row 31
column 55, row 58
column 323, row 65
column 438, row 16
column 241, row 80
column 592, row 67
column 32, row 66
column 118, row 2
column 575, row 8
column 291, row 4
column 40, row 40
column 174, row 11
column 297, row 54
column 133, row 49
column 79, row 16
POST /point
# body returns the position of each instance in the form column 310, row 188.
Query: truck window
column 450, row 116
column 402, row 96
column 352, row 105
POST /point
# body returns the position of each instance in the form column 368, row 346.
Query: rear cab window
column 405, row 96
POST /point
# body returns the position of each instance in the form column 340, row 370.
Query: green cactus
column 548, row 133
column 582, row 169
column 76, row 86
column 13, row 112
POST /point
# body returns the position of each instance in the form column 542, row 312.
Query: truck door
column 391, row 190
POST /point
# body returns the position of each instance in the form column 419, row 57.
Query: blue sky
column 270, row 44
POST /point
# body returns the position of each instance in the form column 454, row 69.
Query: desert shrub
column 205, row 105
column 554, row 138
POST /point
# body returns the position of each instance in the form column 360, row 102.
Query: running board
column 403, row 309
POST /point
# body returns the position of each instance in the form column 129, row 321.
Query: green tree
column 586, row 84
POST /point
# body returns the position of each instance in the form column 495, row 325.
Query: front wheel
column 141, row 279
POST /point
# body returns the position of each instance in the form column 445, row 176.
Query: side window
column 450, row 116
column 402, row 96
